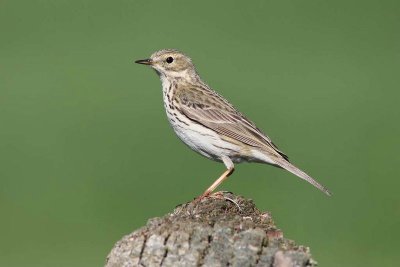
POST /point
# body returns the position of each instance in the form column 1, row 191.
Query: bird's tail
column 296, row 171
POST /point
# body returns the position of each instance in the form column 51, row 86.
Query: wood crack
column 142, row 250
column 166, row 249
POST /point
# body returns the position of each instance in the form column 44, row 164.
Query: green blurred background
column 87, row 154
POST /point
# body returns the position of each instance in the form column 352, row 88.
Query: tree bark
column 221, row 230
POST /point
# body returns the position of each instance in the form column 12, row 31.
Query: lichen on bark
column 221, row 230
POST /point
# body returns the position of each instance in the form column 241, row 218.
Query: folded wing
column 220, row 116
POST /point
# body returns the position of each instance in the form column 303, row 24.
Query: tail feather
column 296, row 171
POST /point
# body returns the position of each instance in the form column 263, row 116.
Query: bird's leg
column 230, row 168
column 217, row 182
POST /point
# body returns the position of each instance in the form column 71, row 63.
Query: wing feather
column 223, row 118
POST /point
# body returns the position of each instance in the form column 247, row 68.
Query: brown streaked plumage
column 209, row 124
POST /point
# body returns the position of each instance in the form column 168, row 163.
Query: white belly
column 204, row 141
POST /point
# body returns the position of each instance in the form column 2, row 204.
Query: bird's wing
column 216, row 113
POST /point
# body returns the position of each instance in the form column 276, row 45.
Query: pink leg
column 217, row 182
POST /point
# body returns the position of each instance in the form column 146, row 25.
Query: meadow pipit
column 209, row 124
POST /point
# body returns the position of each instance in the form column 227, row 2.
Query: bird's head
column 170, row 63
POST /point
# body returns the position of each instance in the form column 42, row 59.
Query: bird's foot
column 201, row 197
column 221, row 195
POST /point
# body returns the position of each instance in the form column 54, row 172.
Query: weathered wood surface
column 223, row 230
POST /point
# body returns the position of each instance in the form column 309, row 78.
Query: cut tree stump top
column 222, row 230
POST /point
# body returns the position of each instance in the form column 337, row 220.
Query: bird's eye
column 169, row 60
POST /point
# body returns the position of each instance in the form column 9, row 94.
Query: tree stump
column 220, row 230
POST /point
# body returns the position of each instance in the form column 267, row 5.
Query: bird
column 210, row 125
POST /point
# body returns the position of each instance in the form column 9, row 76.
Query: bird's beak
column 144, row 61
